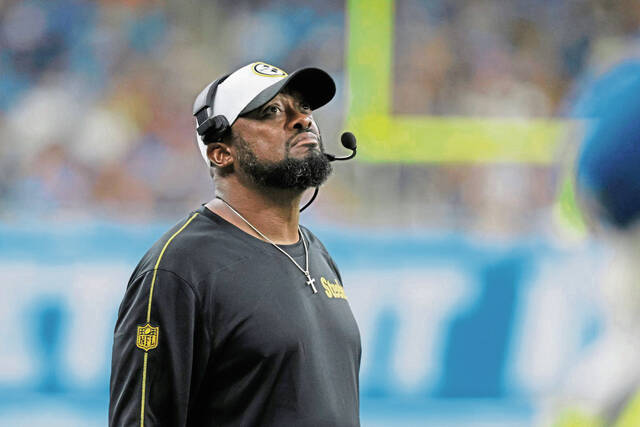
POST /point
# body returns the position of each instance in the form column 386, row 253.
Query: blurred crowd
column 521, row 58
column 95, row 99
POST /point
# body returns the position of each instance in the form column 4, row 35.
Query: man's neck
column 274, row 212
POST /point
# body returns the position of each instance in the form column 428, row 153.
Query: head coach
column 237, row 315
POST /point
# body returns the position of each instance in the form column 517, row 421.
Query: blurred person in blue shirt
column 604, row 388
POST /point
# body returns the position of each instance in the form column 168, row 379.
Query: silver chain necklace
column 310, row 281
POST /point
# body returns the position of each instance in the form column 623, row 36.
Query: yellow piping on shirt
column 144, row 383
column 153, row 282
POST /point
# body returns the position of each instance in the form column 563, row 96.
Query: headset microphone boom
column 349, row 142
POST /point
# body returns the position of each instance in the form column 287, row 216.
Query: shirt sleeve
column 160, row 350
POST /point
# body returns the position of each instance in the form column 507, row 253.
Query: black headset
column 210, row 128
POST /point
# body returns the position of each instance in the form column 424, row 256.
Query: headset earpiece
column 214, row 129
column 210, row 128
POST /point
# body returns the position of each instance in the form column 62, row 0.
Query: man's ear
column 219, row 154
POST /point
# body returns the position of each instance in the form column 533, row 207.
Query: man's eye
column 305, row 107
column 272, row 109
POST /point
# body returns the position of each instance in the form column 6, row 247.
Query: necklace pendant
column 311, row 282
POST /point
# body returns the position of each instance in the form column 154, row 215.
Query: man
column 603, row 389
column 237, row 315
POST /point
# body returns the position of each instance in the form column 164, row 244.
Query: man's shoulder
column 184, row 229
column 318, row 246
column 194, row 245
column 313, row 239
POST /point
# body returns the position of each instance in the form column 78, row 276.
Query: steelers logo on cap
column 263, row 69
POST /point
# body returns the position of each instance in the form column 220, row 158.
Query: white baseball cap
column 254, row 85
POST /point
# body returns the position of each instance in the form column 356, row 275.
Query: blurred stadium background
column 465, row 260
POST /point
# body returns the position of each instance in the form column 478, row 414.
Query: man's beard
column 289, row 173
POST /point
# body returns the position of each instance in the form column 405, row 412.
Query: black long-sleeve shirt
column 218, row 328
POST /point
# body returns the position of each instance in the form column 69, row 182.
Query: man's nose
column 301, row 121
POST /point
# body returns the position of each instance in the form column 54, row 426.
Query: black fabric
column 242, row 339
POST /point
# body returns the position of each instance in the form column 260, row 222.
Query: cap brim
column 316, row 86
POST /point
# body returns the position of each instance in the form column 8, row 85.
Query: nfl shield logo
column 147, row 337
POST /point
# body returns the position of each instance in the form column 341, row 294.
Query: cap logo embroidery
column 147, row 337
column 264, row 69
